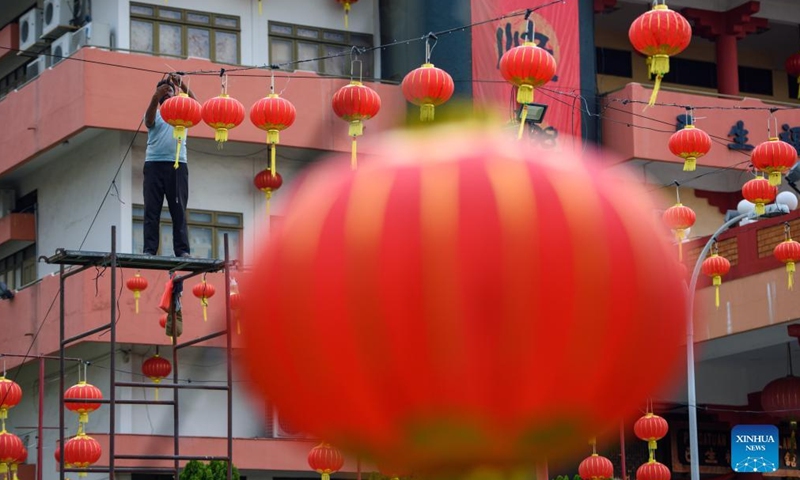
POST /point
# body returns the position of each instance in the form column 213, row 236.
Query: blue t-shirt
column 161, row 144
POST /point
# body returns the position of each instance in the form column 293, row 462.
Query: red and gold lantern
column 11, row 448
column 14, row 466
column 679, row 218
column 716, row 267
column 156, row 368
column 137, row 285
column 689, row 143
column 273, row 114
column 85, row 392
column 651, row 428
column 82, row 451
column 204, row 291
column 428, row 87
column 182, row 112
column 527, row 67
column 788, row 252
column 346, row 5
column 781, row 398
column 325, row 459
column 774, row 157
column 10, row 396
column 653, row 470
column 659, row 33
column 222, row 113
column 355, row 103
column 760, row 192
column 793, row 69
column 268, row 182
column 479, row 275
column 596, row 467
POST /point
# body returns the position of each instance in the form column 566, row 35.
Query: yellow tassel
column 83, row 417
column 136, row 295
column 790, row 271
column 221, row 135
column 525, row 94
column 654, row 95
column 690, row 164
column 260, row 8
column 717, row 281
column 204, row 303
column 522, row 122
column 775, row 178
column 156, row 394
column 760, row 209
column 268, row 195
column 649, row 62
column 326, row 476
column 652, row 446
column 346, row 12
column 177, row 155
column 353, row 156
column 272, row 158
column 356, row 128
column 273, row 136
column 659, row 65
column 426, row 112
column 798, row 87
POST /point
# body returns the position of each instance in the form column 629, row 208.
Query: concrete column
column 727, row 65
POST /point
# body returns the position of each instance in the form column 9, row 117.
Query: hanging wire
column 677, row 191
column 770, row 120
column 428, row 47
column 353, row 60
column 271, row 81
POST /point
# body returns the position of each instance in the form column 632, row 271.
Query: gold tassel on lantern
column 660, row 67
column 790, row 268
column 716, row 281
column 260, row 8
column 522, row 121
column 680, row 235
column 179, row 132
column 356, row 129
column 346, row 15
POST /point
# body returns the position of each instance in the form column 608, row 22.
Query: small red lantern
column 273, row 114
column 689, row 143
column 268, row 182
column 325, row 459
column 716, row 267
column 651, row 428
column 14, row 466
column 596, row 467
column 527, row 66
column 760, row 192
column 82, row 451
column 679, row 218
column 156, row 368
column 781, row 398
column 346, row 4
column 162, row 321
column 793, row 69
column 653, row 470
column 11, row 448
column 204, row 291
column 659, row 33
column 137, row 284
column 182, row 112
column 788, row 252
column 86, row 392
column 354, row 103
column 774, row 157
column 10, row 396
column 222, row 113
column 428, row 87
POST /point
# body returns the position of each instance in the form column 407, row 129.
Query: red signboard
column 556, row 30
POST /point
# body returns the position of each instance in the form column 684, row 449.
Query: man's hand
column 175, row 79
column 162, row 90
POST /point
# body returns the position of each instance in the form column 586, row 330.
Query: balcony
column 17, row 231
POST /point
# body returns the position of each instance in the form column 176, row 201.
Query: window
column 14, row 79
column 614, row 62
column 206, row 232
column 184, row 33
column 19, row 269
column 755, row 80
column 295, row 43
column 694, row 73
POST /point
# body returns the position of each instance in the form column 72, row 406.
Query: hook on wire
column 354, row 52
column 428, row 47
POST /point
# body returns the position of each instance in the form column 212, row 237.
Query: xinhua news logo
column 754, row 448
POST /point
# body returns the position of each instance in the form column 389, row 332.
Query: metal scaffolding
column 189, row 267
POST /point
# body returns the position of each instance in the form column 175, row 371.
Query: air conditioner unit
column 36, row 67
column 30, row 29
column 60, row 49
column 92, row 34
column 57, row 18
column 280, row 429
column 8, row 199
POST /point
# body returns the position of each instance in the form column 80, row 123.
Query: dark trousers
column 162, row 180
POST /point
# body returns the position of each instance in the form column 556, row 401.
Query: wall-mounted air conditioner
column 92, row 34
column 60, row 49
column 280, row 429
column 30, row 29
column 57, row 17
column 36, row 67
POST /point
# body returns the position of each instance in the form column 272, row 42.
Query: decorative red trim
column 738, row 21
column 724, row 201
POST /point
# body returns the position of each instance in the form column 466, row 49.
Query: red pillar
column 727, row 65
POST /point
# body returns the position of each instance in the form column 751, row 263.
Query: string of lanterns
column 12, row 450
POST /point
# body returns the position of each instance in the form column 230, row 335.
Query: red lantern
column 596, row 467
column 82, row 451
column 428, row 87
column 679, row 218
column 788, row 252
column 162, row 321
column 659, row 33
column 182, row 112
column 689, row 143
column 478, row 276
column 156, row 368
column 235, row 305
column 346, row 4
column 781, row 398
column 325, row 459
column 82, row 391
column 14, row 465
column 716, row 267
column 11, row 448
column 527, row 66
column 10, row 396
column 653, row 470
column 268, row 182
column 204, row 291
column 355, row 103
column 651, row 428
column 793, row 69
column 222, row 113
column 273, row 114
column 137, row 284
column 760, row 192
column 774, row 157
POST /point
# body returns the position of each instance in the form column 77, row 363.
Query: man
column 161, row 179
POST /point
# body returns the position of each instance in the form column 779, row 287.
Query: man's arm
column 176, row 80
column 150, row 115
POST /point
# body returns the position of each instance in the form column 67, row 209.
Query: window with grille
column 314, row 49
column 19, row 268
column 175, row 32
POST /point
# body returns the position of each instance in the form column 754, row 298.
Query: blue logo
column 754, row 448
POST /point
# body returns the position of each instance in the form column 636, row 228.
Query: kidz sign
column 754, row 448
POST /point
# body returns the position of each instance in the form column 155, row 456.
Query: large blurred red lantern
column 136, row 284
column 436, row 248
column 204, row 291
column 354, row 103
column 346, row 4
column 82, row 451
column 273, row 114
column 759, row 192
column 182, row 112
column 222, row 113
column 679, row 218
column 716, row 267
column 156, row 368
column 596, row 467
column 653, row 470
column 86, row 392
column 793, row 69
column 325, row 459
column 10, row 396
column 659, row 33
column 774, row 157
column 788, row 252
column 689, row 143
column 428, row 87
column 11, row 448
